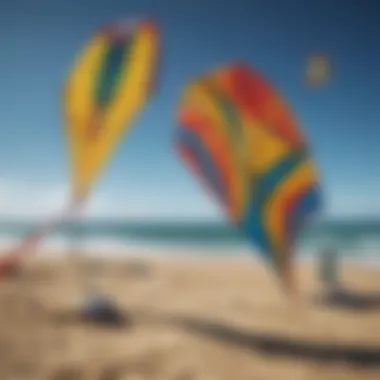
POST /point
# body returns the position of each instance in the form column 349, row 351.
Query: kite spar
column 110, row 83
column 239, row 137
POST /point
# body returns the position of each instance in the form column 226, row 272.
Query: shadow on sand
column 350, row 300
column 262, row 342
column 271, row 344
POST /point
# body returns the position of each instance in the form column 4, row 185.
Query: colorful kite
column 318, row 71
column 243, row 142
column 109, row 85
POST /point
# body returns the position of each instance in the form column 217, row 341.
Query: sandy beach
column 186, row 319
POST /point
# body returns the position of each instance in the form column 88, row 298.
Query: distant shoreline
column 151, row 252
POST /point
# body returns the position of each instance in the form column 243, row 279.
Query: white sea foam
column 122, row 247
column 368, row 252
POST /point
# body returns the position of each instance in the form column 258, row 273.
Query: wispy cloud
column 40, row 201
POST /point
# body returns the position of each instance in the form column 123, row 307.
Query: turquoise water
column 350, row 237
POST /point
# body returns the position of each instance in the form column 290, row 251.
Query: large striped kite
column 243, row 142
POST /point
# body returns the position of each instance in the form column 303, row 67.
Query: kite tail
column 30, row 243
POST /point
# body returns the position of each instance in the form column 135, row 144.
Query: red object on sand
column 9, row 267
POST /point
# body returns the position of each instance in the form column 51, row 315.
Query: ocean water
column 353, row 239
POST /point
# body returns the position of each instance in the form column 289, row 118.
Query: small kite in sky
column 318, row 71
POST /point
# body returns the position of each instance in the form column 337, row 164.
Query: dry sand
column 189, row 319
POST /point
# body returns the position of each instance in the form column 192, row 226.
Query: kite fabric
column 239, row 137
column 110, row 83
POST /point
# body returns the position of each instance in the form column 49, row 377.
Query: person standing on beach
column 328, row 270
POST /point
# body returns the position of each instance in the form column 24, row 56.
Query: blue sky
column 39, row 39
